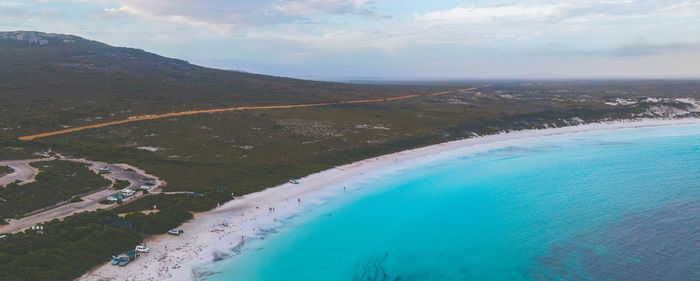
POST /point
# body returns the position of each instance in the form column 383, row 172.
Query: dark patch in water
column 663, row 244
column 239, row 248
column 373, row 270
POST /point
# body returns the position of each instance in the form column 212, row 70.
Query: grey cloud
column 647, row 50
column 632, row 50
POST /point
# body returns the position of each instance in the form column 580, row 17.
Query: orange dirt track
column 240, row 108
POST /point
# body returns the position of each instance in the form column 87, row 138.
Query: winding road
column 91, row 200
column 21, row 171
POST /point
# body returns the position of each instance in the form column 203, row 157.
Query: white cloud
column 472, row 14
column 559, row 10
column 310, row 7
column 224, row 15
column 12, row 4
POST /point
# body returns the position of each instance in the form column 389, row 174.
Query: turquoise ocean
column 620, row 204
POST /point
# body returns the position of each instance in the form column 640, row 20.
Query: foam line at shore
column 219, row 232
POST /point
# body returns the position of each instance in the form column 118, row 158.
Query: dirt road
column 240, row 108
column 22, row 171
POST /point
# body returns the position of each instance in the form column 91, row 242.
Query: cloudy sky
column 392, row 39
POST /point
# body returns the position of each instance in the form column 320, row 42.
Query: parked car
column 142, row 249
column 119, row 259
column 124, row 261
column 177, row 232
column 294, row 181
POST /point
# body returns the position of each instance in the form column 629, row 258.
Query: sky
column 391, row 39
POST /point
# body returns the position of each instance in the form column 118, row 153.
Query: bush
column 5, row 170
column 120, row 184
column 105, row 202
column 87, row 237
column 76, row 199
column 145, row 191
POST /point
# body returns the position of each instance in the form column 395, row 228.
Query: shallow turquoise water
column 605, row 205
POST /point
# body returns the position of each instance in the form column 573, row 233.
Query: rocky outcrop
column 37, row 38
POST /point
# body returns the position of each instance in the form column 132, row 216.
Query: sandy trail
column 215, row 233
column 240, row 108
column 22, row 171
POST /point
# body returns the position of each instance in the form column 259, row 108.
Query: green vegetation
column 66, row 248
column 69, row 84
column 76, row 199
column 5, row 170
column 92, row 237
column 120, row 184
column 57, row 181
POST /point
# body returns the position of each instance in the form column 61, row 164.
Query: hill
column 63, row 80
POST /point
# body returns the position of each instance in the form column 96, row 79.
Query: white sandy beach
column 173, row 258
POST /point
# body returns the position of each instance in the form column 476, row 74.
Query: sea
column 616, row 204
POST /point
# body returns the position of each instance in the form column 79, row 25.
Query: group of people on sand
column 272, row 209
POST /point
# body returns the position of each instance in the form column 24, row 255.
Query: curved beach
column 175, row 258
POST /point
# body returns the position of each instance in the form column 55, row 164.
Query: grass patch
column 120, row 184
column 5, row 170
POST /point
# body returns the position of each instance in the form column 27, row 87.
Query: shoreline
column 225, row 227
